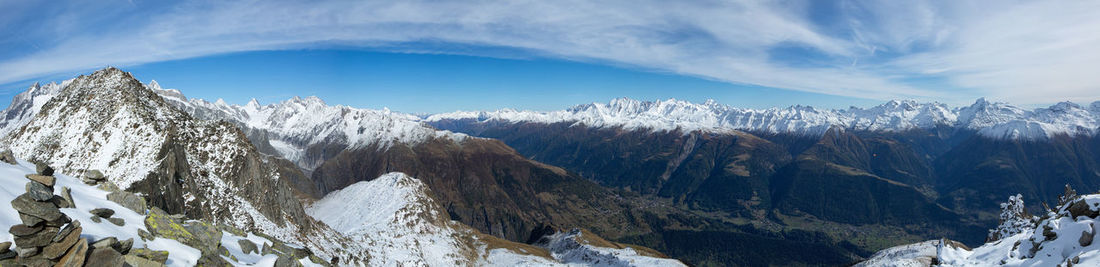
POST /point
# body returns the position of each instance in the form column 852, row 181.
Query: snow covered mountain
column 27, row 104
column 208, row 169
column 292, row 127
column 1063, row 238
column 109, row 122
column 996, row 120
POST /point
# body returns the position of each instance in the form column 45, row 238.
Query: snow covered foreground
column 1063, row 238
column 87, row 197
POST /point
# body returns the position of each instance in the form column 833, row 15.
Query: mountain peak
column 154, row 85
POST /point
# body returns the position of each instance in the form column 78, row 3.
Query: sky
column 436, row 56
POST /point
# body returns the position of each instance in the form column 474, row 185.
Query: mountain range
column 209, row 170
column 705, row 183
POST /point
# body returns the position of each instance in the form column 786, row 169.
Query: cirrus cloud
column 1025, row 52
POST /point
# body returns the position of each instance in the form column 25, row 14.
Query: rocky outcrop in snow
column 1064, row 237
column 995, row 120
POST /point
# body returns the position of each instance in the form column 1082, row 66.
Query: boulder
column 8, row 157
column 211, row 259
column 1081, row 208
column 145, row 235
column 57, row 249
column 117, row 221
column 44, row 179
column 43, row 169
column 30, row 220
column 75, row 256
column 153, row 255
column 206, row 235
column 1048, row 233
column 94, row 175
column 7, row 254
column 60, row 221
column 38, row 191
column 293, row 252
column 105, row 257
column 286, row 261
column 40, row 239
column 96, row 219
column 67, row 198
column 26, row 252
column 37, row 262
column 129, row 200
column 75, row 225
column 102, row 212
column 108, row 242
column 124, row 246
column 247, row 246
column 20, row 230
column 232, row 230
column 135, row 261
column 1086, row 236
column 44, row 210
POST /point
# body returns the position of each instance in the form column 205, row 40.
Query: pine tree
column 1014, row 219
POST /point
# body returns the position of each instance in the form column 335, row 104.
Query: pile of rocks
column 48, row 237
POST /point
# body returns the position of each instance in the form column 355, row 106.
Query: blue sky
column 432, row 56
column 433, row 83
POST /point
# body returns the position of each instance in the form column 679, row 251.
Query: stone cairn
column 48, row 237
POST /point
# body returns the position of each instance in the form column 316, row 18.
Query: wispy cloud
column 1026, row 52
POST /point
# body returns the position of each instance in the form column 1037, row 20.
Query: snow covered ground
column 87, row 197
column 1064, row 238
